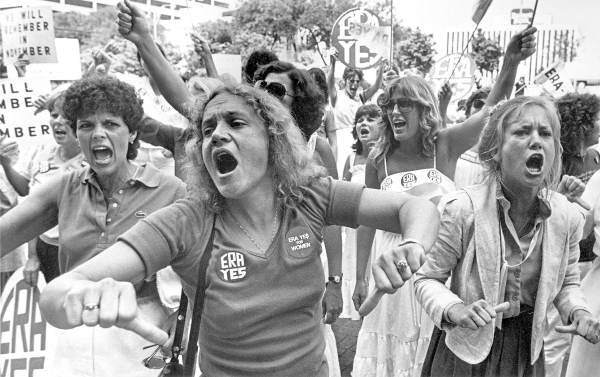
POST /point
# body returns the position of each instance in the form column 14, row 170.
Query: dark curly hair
column 307, row 106
column 255, row 60
column 350, row 72
column 578, row 113
column 481, row 94
column 93, row 94
column 319, row 76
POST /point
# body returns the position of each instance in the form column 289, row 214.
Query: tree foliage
column 486, row 52
column 413, row 49
column 318, row 19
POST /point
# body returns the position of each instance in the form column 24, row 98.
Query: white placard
column 28, row 33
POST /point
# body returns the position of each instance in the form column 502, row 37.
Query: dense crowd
column 460, row 246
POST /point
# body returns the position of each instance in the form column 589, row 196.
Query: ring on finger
column 401, row 265
column 91, row 307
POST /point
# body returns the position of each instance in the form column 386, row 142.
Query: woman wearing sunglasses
column 415, row 156
column 254, row 187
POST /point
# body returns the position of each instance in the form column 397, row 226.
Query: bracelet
column 406, row 241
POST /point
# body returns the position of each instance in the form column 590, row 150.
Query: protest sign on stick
column 361, row 40
column 462, row 79
column 26, row 339
column 28, row 33
column 17, row 120
column 554, row 80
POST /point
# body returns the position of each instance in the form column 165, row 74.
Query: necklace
column 273, row 230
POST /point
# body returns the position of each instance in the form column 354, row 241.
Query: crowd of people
column 460, row 247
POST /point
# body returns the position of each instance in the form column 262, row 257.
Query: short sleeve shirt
column 88, row 225
column 262, row 313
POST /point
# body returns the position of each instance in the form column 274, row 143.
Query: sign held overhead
column 28, row 33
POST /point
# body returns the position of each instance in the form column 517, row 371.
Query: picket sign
column 361, row 40
column 461, row 81
column 27, row 341
column 28, row 33
column 554, row 80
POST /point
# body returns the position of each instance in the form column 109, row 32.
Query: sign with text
column 17, row 120
column 461, row 81
column 28, row 33
column 360, row 39
column 26, row 339
column 554, row 80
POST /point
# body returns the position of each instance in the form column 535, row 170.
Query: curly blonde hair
column 290, row 164
column 492, row 135
column 414, row 88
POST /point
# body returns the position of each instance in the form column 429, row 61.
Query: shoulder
column 153, row 177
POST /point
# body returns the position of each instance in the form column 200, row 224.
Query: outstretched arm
column 134, row 27
column 202, row 48
column 463, row 136
column 331, row 78
column 370, row 92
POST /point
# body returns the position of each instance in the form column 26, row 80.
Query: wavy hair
column 98, row 93
column 416, row 89
column 368, row 110
column 578, row 113
column 307, row 106
column 492, row 135
column 290, row 164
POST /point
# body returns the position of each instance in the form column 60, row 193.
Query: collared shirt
column 523, row 255
column 88, row 225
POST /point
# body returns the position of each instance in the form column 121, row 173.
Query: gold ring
column 91, row 307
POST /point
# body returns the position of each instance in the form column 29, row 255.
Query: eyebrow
column 227, row 115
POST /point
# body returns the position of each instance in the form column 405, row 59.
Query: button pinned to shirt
column 115, row 205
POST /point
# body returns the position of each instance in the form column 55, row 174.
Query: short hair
column 492, row 135
column 416, row 89
column 369, row 109
column 351, row 72
column 291, row 165
column 319, row 76
column 481, row 94
column 98, row 93
column 255, row 60
column 307, row 107
column 578, row 113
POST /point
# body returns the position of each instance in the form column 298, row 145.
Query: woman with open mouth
column 47, row 160
column 94, row 205
column 415, row 155
column 258, row 206
column 511, row 247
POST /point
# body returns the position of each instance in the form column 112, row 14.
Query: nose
column 220, row 134
column 98, row 132
column 535, row 141
column 395, row 109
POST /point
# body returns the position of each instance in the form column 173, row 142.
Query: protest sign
column 68, row 66
column 462, row 80
column 360, row 39
column 28, row 33
column 17, row 120
column 26, row 339
column 554, row 80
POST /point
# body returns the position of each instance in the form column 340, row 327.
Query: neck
column 70, row 150
column 255, row 209
column 522, row 201
column 411, row 147
column 113, row 182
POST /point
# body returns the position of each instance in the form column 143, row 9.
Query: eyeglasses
column 403, row 105
column 274, row 88
column 153, row 361
column 478, row 104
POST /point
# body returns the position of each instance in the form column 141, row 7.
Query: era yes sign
column 360, row 39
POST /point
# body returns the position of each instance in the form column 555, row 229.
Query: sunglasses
column 478, row 104
column 403, row 105
column 273, row 88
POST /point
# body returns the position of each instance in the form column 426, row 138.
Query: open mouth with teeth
column 60, row 132
column 398, row 123
column 535, row 163
column 364, row 132
column 225, row 162
column 102, row 154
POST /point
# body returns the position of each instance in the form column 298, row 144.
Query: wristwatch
column 335, row 279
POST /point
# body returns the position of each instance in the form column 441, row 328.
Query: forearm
column 332, row 237
column 18, row 182
column 420, row 220
column 331, row 84
column 364, row 242
column 168, row 81
column 211, row 68
column 504, row 82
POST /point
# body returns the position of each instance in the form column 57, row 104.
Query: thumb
column 134, row 10
column 147, row 331
column 500, row 308
column 570, row 329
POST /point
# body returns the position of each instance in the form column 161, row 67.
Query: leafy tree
column 486, row 52
column 413, row 49
column 566, row 46
column 318, row 19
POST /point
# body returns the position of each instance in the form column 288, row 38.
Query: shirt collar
column 543, row 211
column 145, row 174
